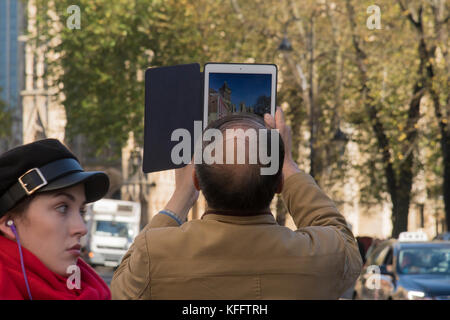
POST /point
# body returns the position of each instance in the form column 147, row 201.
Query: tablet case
column 173, row 99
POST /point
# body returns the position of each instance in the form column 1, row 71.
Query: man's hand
column 289, row 165
column 185, row 194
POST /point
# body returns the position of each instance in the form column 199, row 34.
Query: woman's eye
column 62, row 209
column 83, row 211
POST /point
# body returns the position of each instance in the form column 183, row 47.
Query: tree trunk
column 311, row 93
column 446, row 184
column 144, row 207
column 403, row 194
column 400, row 212
column 426, row 54
column 445, row 147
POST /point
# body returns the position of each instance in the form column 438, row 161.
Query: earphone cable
column 13, row 228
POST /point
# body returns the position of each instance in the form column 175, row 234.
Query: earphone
column 10, row 224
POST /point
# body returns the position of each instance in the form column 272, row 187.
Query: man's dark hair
column 240, row 187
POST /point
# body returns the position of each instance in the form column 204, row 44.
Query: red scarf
column 44, row 284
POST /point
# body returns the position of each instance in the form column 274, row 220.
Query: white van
column 112, row 226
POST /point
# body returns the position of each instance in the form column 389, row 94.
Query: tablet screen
column 238, row 92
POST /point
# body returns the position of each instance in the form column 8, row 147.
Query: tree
column 437, row 77
column 398, row 173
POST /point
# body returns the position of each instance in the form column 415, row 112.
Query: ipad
column 233, row 88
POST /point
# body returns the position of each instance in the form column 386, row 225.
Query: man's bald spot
column 245, row 186
column 233, row 126
column 236, row 175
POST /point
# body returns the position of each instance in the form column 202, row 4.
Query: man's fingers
column 269, row 120
column 279, row 117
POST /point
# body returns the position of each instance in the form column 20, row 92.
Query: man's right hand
column 289, row 165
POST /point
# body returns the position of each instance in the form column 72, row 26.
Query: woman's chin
column 68, row 268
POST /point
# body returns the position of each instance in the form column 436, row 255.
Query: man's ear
column 5, row 229
column 280, row 183
column 195, row 180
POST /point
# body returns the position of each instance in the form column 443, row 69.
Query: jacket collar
column 256, row 218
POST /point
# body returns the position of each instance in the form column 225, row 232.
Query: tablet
column 233, row 88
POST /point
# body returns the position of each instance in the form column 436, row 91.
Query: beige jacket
column 229, row 257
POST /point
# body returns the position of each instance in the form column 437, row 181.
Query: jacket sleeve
column 316, row 215
column 131, row 280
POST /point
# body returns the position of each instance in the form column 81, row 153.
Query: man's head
column 241, row 187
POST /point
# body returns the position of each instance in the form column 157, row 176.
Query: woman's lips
column 75, row 250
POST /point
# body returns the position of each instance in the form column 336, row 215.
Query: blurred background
column 364, row 85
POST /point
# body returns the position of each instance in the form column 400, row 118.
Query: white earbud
column 10, row 223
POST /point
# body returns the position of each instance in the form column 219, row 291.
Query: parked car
column 406, row 269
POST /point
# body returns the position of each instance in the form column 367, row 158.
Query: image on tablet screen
column 238, row 92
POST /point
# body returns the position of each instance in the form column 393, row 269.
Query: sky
column 244, row 87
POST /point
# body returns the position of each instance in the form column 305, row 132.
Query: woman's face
column 52, row 226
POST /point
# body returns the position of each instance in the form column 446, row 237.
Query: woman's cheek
column 47, row 226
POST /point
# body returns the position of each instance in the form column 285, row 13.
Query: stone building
column 12, row 51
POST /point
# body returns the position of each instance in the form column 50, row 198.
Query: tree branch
column 417, row 24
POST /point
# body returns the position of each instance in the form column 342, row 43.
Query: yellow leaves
column 444, row 121
column 400, row 156
column 402, row 137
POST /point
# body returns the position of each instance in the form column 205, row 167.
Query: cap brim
column 96, row 184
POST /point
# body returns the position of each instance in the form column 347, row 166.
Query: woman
column 43, row 193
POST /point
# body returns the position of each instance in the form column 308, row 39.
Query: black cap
column 44, row 165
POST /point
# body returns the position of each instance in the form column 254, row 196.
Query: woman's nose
column 78, row 226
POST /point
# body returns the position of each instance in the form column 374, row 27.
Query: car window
column 429, row 260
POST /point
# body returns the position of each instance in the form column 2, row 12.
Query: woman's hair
column 19, row 209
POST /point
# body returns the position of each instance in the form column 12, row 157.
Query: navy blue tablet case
column 173, row 99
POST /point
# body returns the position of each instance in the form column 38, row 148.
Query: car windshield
column 112, row 228
column 425, row 260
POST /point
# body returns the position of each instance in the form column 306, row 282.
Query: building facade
column 12, row 49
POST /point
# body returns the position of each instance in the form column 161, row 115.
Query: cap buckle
column 24, row 185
